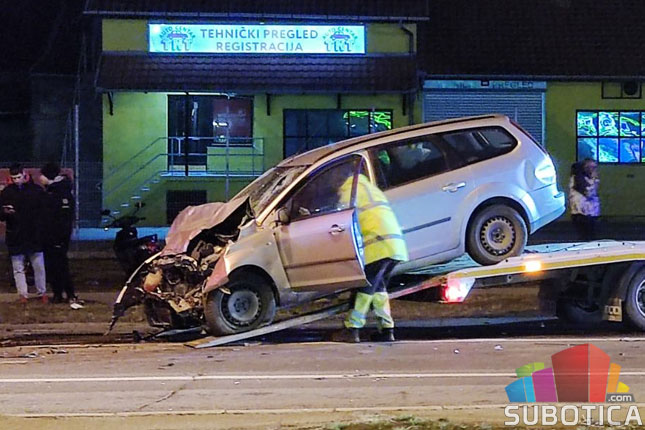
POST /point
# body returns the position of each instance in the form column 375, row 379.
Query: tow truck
column 583, row 283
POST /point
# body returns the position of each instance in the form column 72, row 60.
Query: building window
column 211, row 121
column 611, row 137
column 306, row 129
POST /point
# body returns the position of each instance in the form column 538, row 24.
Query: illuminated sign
column 256, row 39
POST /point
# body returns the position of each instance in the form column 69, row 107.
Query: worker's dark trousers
column 378, row 275
column 57, row 269
column 374, row 295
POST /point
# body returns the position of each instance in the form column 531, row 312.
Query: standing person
column 22, row 204
column 584, row 202
column 384, row 248
column 59, row 211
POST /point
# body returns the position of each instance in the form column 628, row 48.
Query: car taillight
column 545, row 172
column 456, row 289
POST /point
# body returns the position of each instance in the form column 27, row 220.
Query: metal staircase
column 141, row 174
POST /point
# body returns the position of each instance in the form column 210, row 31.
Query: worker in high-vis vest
column 384, row 247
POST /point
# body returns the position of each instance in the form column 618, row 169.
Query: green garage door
column 521, row 101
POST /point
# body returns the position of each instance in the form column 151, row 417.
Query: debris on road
column 499, row 348
column 30, row 355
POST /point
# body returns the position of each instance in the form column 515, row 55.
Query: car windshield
column 264, row 189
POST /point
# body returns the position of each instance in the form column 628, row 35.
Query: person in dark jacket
column 21, row 207
column 59, row 219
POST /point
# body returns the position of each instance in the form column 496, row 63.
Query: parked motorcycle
column 130, row 249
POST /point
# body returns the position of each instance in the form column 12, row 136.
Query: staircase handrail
column 116, row 170
column 127, row 179
column 131, row 175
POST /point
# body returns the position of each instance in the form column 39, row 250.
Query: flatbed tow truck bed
column 583, row 282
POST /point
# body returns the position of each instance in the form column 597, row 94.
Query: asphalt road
column 305, row 380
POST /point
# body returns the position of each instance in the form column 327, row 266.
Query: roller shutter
column 525, row 107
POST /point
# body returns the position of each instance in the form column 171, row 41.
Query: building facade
column 199, row 99
column 195, row 109
column 562, row 69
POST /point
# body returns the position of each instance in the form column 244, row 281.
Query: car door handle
column 452, row 187
column 336, row 229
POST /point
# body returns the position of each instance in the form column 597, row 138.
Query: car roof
column 310, row 157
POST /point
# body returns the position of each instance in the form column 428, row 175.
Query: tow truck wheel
column 635, row 300
column 496, row 233
column 579, row 313
column 250, row 304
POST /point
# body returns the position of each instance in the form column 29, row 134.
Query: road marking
column 588, row 339
column 433, row 341
column 272, row 411
column 247, row 377
column 254, row 411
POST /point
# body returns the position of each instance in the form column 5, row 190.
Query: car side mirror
column 283, row 216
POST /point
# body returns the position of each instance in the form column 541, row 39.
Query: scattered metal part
column 30, row 355
column 170, row 333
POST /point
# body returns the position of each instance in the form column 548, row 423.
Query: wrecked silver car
column 200, row 256
column 479, row 185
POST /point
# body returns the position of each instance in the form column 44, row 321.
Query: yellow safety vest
column 382, row 236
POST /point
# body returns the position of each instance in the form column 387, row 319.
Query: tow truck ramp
column 591, row 279
column 327, row 312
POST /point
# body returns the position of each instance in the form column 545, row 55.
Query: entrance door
column 321, row 246
column 209, row 121
column 187, row 112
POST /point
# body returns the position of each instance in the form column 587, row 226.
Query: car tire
column 250, row 304
column 635, row 300
column 575, row 313
column 496, row 233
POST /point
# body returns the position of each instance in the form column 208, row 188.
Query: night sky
column 41, row 36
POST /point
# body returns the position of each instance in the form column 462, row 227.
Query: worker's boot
column 381, row 304
column 354, row 335
column 385, row 335
column 348, row 335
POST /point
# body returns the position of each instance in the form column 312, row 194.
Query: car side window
column 407, row 161
column 321, row 193
column 478, row 144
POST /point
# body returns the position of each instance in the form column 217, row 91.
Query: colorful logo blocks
column 579, row 374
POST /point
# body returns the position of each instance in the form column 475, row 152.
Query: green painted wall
column 621, row 193
column 389, row 38
column 155, row 200
column 125, row 35
column 133, row 138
